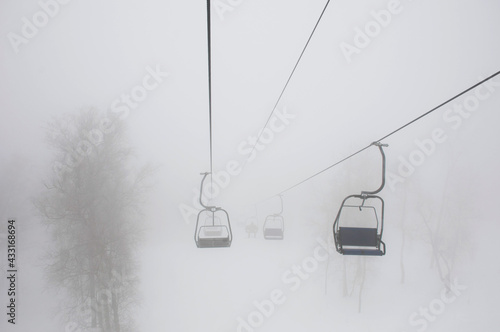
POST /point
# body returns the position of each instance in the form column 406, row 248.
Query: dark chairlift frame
column 212, row 241
column 275, row 233
column 364, row 241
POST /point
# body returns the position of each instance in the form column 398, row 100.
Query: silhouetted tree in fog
column 91, row 207
column 443, row 219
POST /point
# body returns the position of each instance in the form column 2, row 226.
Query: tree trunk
column 401, row 262
column 344, row 278
column 93, row 302
column 98, row 310
column 105, row 306
column 116, row 316
column 363, row 274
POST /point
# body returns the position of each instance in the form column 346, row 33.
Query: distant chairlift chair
column 274, row 225
column 358, row 227
column 215, row 230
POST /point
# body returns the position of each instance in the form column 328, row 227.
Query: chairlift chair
column 274, row 225
column 362, row 233
column 215, row 230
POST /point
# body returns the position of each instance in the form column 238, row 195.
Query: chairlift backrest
column 354, row 236
column 274, row 221
column 360, row 216
column 212, row 220
column 213, row 231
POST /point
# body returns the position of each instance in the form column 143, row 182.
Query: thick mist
column 104, row 131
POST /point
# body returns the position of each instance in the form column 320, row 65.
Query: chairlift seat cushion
column 362, row 252
column 358, row 236
column 212, row 231
column 213, row 242
column 273, row 233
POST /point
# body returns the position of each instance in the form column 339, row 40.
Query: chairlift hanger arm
column 281, row 201
column 380, row 147
column 201, row 192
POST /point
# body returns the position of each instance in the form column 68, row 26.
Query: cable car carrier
column 274, row 225
column 359, row 224
column 213, row 228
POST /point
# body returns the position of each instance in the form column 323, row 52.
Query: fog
column 352, row 86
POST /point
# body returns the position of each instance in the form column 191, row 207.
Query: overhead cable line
column 393, row 132
column 287, row 82
column 209, row 39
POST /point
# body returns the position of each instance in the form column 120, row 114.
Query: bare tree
column 354, row 273
column 91, row 207
column 445, row 221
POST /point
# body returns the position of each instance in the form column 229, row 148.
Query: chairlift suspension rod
column 201, row 190
column 209, row 39
column 380, row 146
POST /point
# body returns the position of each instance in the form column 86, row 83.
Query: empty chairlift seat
column 213, row 228
column 274, row 227
column 214, row 231
column 358, row 228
